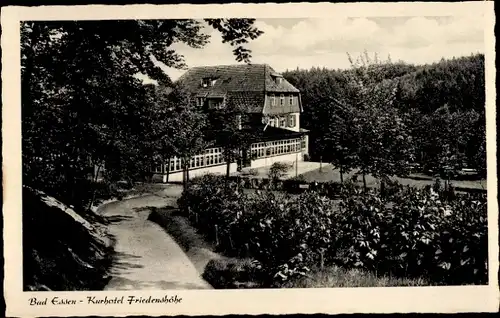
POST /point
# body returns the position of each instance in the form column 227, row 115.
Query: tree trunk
column 364, row 182
column 94, row 190
column 184, row 177
column 168, row 168
column 341, row 170
column 320, row 163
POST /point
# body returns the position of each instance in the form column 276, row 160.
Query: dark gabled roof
column 250, row 102
column 244, row 84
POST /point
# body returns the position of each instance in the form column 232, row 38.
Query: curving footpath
column 146, row 257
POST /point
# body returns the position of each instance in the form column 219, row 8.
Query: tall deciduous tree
column 188, row 125
column 384, row 145
column 82, row 104
column 339, row 138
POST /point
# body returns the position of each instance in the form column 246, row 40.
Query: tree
column 227, row 130
column 73, row 119
column 419, row 91
column 188, row 124
column 278, row 170
column 384, row 145
column 339, row 137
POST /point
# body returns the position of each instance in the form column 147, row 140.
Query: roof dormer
column 278, row 78
column 208, row 81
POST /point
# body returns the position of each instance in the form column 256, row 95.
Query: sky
column 304, row 43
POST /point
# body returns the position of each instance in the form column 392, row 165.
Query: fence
column 330, row 189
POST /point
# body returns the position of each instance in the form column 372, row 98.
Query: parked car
column 449, row 171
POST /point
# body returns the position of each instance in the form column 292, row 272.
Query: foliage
column 73, row 120
column 404, row 233
column 278, row 170
column 414, row 98
column 381, row 143
column 225, row 128
column 253, row 172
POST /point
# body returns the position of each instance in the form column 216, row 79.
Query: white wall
column 297, row 122
column 306, row 139
column 263, row 162
column 177, row 176
column 277, row 118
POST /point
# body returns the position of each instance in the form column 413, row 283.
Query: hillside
column 62, row 250
column 441, row 107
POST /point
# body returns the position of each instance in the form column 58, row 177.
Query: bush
column 390, row 188
column 233, row 273
column 253, row 172
column 278, row 170
column 406, row 232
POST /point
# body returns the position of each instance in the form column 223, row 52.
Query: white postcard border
column 219, row 302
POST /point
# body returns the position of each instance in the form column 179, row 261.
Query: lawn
column 327, row 173
column 333, row 276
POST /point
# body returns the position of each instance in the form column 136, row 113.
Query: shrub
column 405, row 233
column 278, row 170
column 389, row 188
column 230, row 273
column 253, row 172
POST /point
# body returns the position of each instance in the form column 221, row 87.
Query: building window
column 291, row 100
column 216, row 103
column 200, row 101
column 274, row 148
column 273, row 100
column 282, row 122
column 282, row 99
column 292, row 121
column 205, row 82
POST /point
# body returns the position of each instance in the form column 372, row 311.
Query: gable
column 244, row 86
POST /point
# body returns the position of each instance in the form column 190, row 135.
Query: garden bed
column 401, row 232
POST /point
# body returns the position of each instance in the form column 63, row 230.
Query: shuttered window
column 273, row 100
column 291, row 121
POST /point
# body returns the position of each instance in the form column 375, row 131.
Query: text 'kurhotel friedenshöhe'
column 131, row 300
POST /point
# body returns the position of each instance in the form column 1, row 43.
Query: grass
column 332, row 277
column 220, row 271
column 235, row 273
column 231, row 273
column 197, row 249
column 327, row 174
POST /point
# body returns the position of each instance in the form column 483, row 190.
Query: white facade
column 178, row 176
column 290, row 121
column 263, row 154
column 288, row 158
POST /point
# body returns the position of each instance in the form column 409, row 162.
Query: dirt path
column 146, row 256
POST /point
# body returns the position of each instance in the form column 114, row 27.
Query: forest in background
column 83, row 106
column 441, row 107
